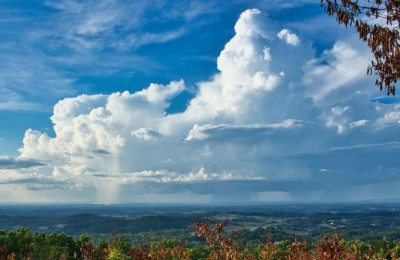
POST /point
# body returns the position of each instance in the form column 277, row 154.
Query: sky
column 155, row 101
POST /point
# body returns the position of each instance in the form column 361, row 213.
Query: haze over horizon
column 190, row 102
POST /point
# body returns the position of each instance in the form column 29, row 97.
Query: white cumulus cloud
column 289, row 37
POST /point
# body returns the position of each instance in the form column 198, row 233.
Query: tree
column 377, row 23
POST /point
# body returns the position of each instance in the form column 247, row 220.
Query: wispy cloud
column 47, row 50
column 120, row 24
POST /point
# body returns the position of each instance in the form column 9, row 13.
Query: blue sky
column 189, row 102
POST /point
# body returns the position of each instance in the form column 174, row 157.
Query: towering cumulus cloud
column 275, row 123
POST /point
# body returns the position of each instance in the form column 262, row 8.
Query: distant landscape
column 143, row 223
column 183, row 231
